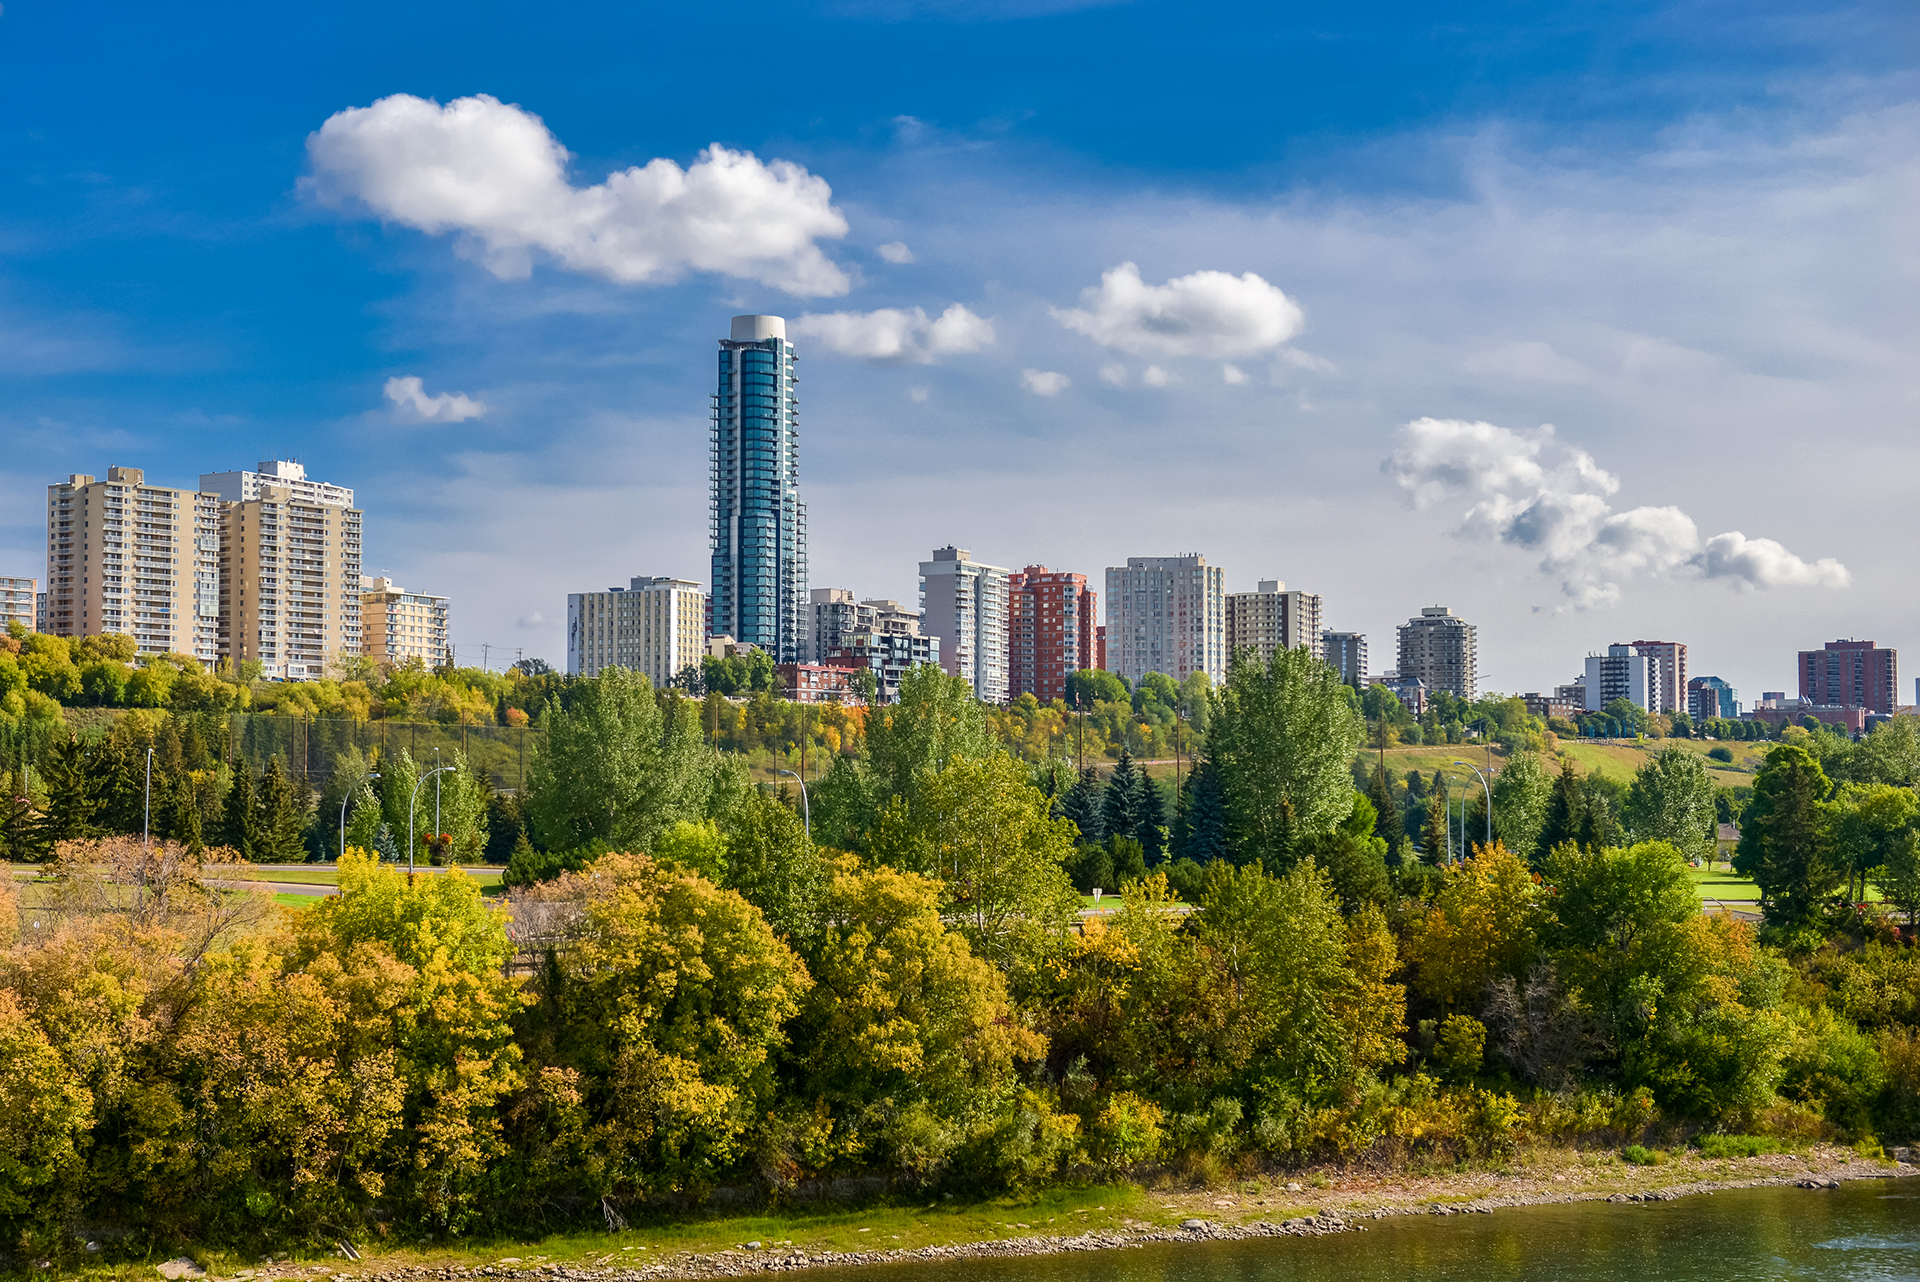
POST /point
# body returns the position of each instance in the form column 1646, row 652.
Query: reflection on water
column 1857, row 1233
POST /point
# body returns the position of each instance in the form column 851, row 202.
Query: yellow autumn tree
column 1484, row 923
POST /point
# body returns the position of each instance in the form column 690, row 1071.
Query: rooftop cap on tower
column 754, row 329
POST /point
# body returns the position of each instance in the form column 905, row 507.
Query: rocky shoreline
column 782, row 1257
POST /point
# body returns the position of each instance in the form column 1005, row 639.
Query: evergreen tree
column 1786, row 846
column 1566, row 810
column 282, row 808
column 120, row 768
column 1600, row 814
column 183, row 814
column 1202, row 821
column 1119, row 805
column 1434, row 836
column 1386, row 824
column 1083, row 807
column 1150, row 821
column 73, row 795
column 239, row 821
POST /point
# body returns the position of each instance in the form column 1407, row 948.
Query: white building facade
column 1167, row 614
column 654, row 625
column 1621, row 674
column 964, row 604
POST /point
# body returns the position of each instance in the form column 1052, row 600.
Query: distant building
column 1346, row 654
column 1410, row 691
column 1788, row 712
column 1574, row 692
column 1100, row 648
column 18, row 603
column 1620, row 674
column 964, row 603
column 1050, row 631
column 1670, row 674
column 1709, row 698
column 400, row 625
column 1273, row 618
column 1167, row 614
column 655, row 625
column 1440, row 649
column 814, row 683
column 143, row 560
column 40, row 612
column 1851, row 674
column 879, row 634
column 1556, row 704
column 758, row 525
column 289, row 589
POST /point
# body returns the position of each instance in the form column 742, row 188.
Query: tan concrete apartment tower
column 404, row 625
column 290, row 562
column 143, row 560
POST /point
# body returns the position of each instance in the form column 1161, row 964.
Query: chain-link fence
column 311, row 747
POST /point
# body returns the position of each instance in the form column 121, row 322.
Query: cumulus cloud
column 896, row 252
column 494, row 176
column 1044, row 382
column 1208, row 313
column 1537, row 493
column 411, row 402
column 899, row 337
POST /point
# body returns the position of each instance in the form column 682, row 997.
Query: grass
column 1719, row 1146
column 1720, row 882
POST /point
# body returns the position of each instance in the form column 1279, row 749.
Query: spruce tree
column 1203, row 818
column 1434, row 837
column 1386, row 825
column 1119, row 805
column 281, row 815
column 1150, row 820
column 73, row 796
column 1083, row 806
column 183, row 814
column 1566, row 810
column 239, row 821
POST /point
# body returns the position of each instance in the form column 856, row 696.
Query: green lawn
column 1722, row 883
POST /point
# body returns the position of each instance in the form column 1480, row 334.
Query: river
column 1864, row 1231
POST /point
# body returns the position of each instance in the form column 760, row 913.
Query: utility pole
column 146, row 818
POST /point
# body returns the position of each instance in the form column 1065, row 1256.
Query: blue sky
column 1376, row 252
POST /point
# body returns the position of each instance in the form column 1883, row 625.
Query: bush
column 1185, row 878
column 1721, row 754
column 1718, row 1146
column 1639, row 1156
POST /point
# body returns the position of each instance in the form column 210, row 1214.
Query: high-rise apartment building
column 1670, row 676
column 1346, row 654
column 879, row 634
column 144, row 560
column 964, row 603
column 1621, row 674
column 1439, row 648
column 1273, row 618
column 653, row 625
column 1050, row 631
column 1167, row 614
column 758, row 525
column 1710, row 697
column 17, row 603
column 1851, row 674
column 399, row 625
column 289, row 570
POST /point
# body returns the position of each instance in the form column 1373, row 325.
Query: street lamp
column 343, row 814
column 1489, row 790
column 410, row 810
column 805, row 809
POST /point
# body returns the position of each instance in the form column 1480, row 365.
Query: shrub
column 1718, row 1146
column 1721, row 754
column 1640, row 1156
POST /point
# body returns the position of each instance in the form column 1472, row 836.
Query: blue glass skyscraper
column 758, row 523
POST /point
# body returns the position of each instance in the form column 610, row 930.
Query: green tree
column 616, row 767
column 1898, row 876
column 1520, row 795
column 1282, row 739
column 240, row 816
column 771, row 861
column 1150, row 821
column 1671, row 800
column 1611, row 911
column 1387, row 823
column 284, row 805
column 1868, row 821
column 1785, row 845
column 1082, row 807
column 1566, row 809
column 1354, row 858
column 1436, row 836
column 1119, row 801
column 73, row 793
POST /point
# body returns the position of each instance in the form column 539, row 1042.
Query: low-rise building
column 400, row 625
column 814, row 683
column 655, row 625
column 1789, row 712
column 1554, row 705
column 18, row 603
column 1411, row 691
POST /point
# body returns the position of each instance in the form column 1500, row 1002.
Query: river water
column 1864, row 1231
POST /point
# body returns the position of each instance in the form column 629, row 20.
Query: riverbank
column 1312, row 1203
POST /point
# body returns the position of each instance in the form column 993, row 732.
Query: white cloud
column 902, row 337
column 1154, row 376
column 1208, row 313
column 1562, row 514
column 411, row 402
column 895, row 252
column 1535, row 362
column 1115, row 373
column 1232, row 375
column 1044, row 382
column 919, row 394
column 493, row 175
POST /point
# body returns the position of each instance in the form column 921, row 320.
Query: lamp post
column 343, row 814
column 1489, row 791
column 410, row 812
column 146, row 814
column 805, row 808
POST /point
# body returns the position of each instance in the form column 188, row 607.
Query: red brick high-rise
column 1851, row 674
column 1050, row 631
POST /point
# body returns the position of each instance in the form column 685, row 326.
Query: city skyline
column 1687, row 260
